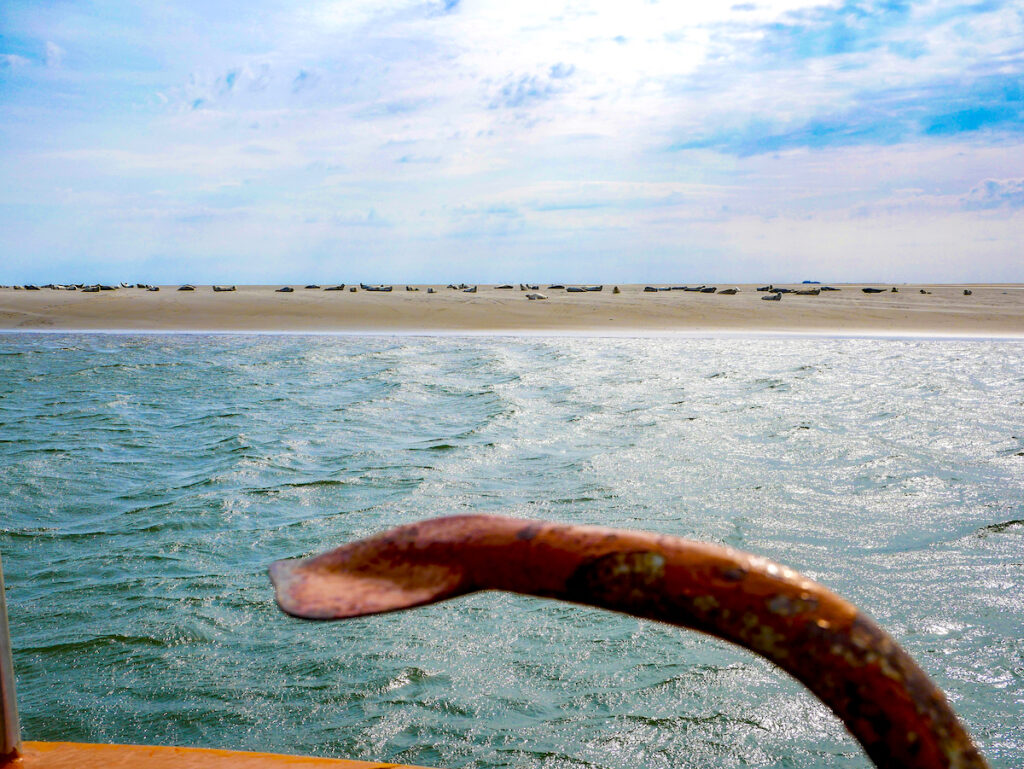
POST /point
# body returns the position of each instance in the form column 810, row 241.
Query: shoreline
column 991, row 311
column 908, row 336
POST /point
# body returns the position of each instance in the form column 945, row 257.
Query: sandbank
column 992, row 310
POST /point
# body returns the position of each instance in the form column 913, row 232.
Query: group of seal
column 693, row 289
column 774, row 294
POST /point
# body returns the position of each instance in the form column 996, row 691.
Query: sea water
column 146, row 482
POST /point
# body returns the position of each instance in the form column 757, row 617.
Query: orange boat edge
column 80, row 755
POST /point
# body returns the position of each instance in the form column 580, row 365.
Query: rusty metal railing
column 885, row 699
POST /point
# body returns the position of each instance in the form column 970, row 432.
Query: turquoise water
column 147, row 481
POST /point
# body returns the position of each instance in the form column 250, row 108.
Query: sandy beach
column 989, row 310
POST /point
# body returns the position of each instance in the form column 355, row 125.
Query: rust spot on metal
column 733, row 574
column 705, row 603
column 623, row 580
column 886, row 701
column 527, row 533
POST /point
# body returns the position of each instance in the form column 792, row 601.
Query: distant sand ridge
column 988, row 310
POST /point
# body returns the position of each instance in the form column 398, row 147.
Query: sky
column 541, row 140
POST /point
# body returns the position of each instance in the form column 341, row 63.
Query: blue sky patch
column 443, row 127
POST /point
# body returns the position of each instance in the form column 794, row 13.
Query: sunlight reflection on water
column 148, row 481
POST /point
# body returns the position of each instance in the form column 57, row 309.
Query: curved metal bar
column 886, row 701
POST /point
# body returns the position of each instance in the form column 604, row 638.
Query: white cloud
column 539, row 124
column 996, row 193
column 13, row 61
column 54, row 55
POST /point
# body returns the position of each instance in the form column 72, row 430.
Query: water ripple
column 147, row 482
